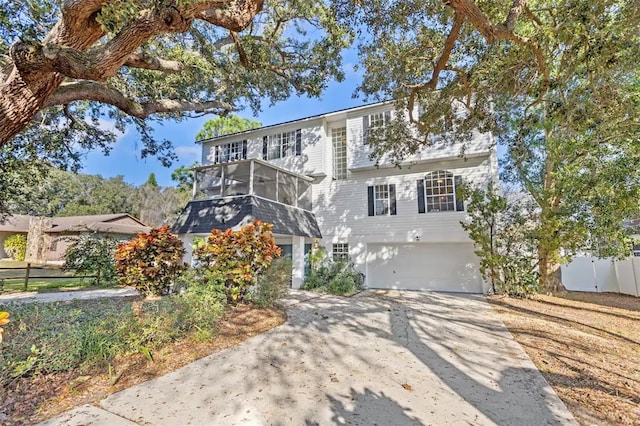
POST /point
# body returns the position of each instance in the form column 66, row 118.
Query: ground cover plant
column 33, row 397
column 587, row 346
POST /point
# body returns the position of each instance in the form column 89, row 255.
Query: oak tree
column 67, row 65
column 557, row 83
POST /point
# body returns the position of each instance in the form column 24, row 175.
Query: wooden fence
column 28, row 274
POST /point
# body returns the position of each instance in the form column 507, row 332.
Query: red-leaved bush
column 238, row 256
column 150, row 262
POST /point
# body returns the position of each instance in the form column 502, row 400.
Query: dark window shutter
column 216, row 154
column 421, row 207
column 372, row 211
column 244, row 149
column 458, row 188
column 299, row 142
column 264, row 147
column 387, row 118
column 365, row 129
column 392, row 198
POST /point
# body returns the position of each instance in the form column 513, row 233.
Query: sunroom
column 231, row 195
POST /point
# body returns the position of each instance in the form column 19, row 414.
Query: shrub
column 339, row 278
column 272, row 284
column 55, row 337
column 150, row 262
column 94, row 255
column 16, row 246
column 238, row 256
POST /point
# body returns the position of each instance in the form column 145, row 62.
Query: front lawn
column 587, row 346
column 67, row 280
column 61, row 355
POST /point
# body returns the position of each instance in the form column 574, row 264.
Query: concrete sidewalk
column 61, row 296
column 387, row 359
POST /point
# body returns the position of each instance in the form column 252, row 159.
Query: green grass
column 67, row 281
column 48, row 285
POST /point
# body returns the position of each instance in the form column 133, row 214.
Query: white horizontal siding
column 341, row 208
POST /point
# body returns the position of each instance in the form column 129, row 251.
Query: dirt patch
column 34, row 399
column 587, row 346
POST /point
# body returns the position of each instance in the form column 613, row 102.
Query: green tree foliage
column 150, row 262
column 225, row 126
column 63, row 193
column 503, row 232
column 91, row 254
column 16, row 246
column 183, row 177
column 555, row 81
column 238, row 256
column 152, row 181
column 180, row 58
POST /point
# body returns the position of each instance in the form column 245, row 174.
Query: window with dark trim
column 382, row 200
column 232, row 151
column 281, row 145
column 438, row 192
column 340, row 251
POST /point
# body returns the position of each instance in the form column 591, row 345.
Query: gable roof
column 201, row 216
column 97, row 223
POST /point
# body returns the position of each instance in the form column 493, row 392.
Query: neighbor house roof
column 201, row 216
column 15, row 223
column 106, row 223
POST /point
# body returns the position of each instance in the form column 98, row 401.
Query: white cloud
column 110, row 125
column 188, row 153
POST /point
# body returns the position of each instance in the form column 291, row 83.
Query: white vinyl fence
column 599, row 275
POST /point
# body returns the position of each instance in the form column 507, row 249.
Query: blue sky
column 125, row 160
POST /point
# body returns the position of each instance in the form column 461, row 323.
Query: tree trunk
column 550, row 279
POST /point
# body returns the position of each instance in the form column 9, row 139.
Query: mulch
column 587, row 346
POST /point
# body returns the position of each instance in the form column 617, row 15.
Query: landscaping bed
column 35, row 397
column 587, row 346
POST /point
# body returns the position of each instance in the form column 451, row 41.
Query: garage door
column 421, row 266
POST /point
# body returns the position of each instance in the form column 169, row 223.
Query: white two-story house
column 313, row 179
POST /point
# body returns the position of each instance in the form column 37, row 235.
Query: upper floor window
column 282, row 145
column 370, row 122
column 382, row 200
column 339, row 141
column 437, row 192
column 232, row 151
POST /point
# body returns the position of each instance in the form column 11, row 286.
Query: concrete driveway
column 374, row 359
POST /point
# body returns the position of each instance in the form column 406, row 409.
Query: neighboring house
column 314, row 181
column 49, row 238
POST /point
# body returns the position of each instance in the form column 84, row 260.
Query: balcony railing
column 252, row 177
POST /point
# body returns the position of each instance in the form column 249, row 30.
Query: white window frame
column 442, row 186
column 381, row 200
column 339, row 143
column 281, row 145
column 340, row 252
column 231, row 151
column 376, row 120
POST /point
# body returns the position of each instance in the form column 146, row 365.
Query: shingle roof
column 201, row 216
column 97, row 223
